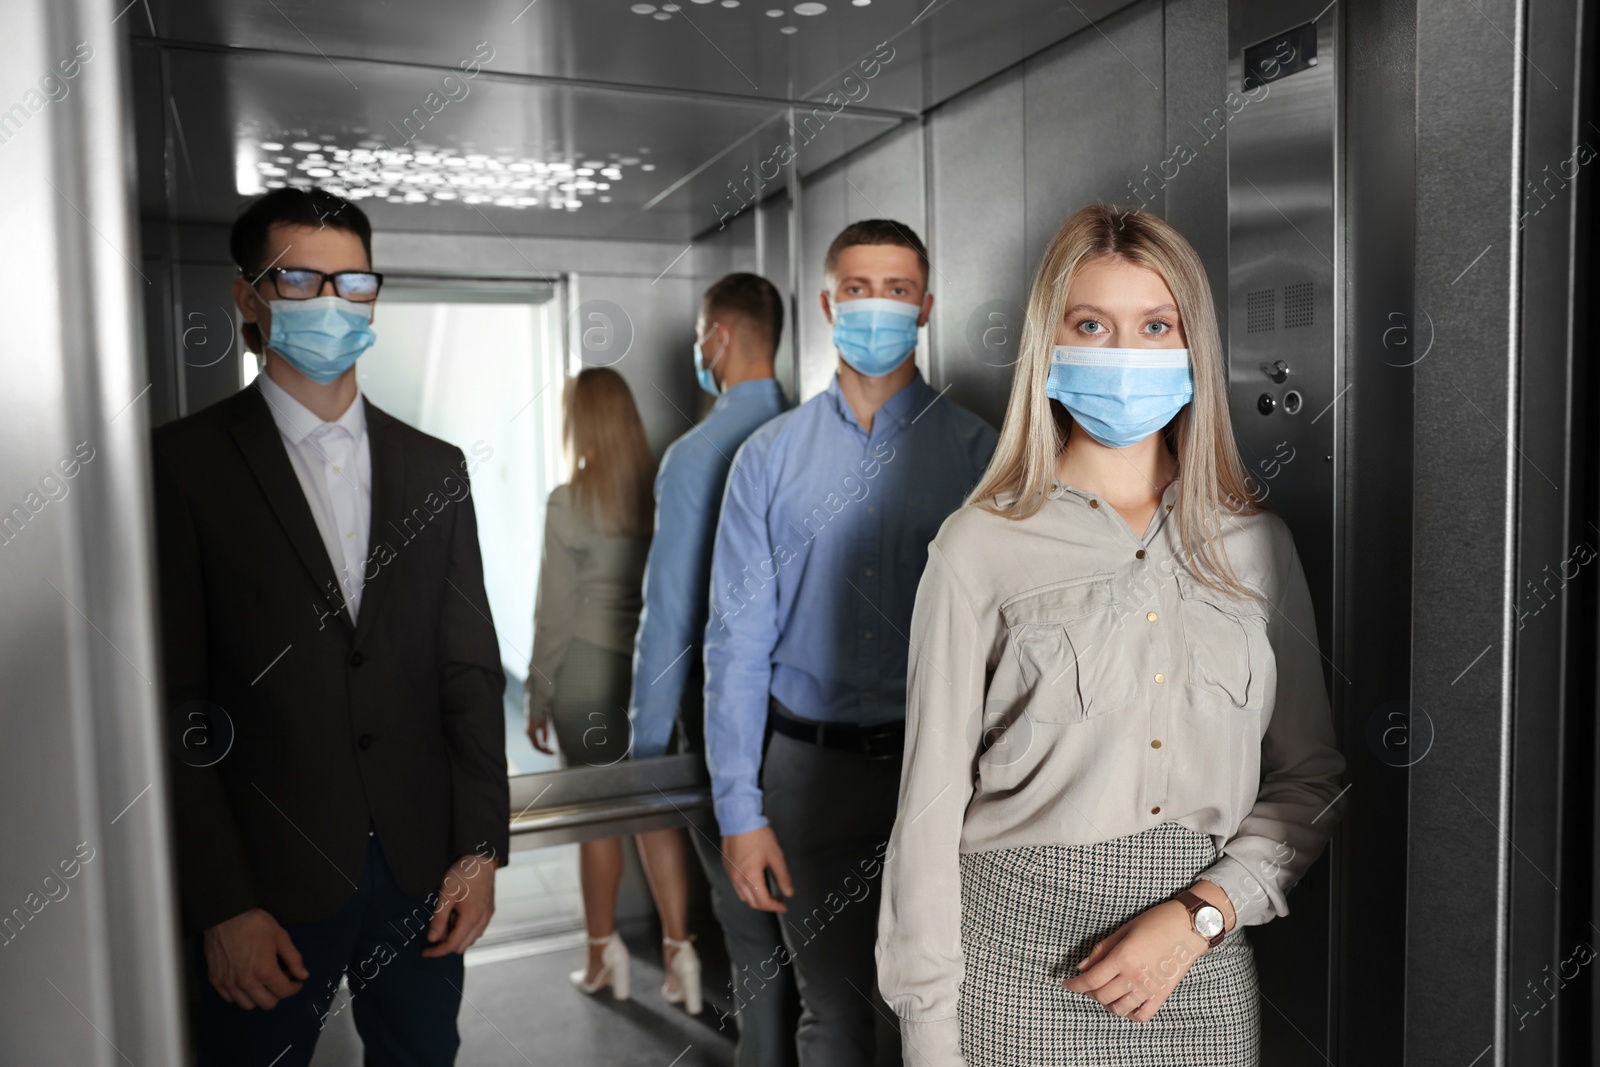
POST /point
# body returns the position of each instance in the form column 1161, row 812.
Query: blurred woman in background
column 596, row 540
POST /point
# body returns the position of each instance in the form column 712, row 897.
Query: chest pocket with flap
column 1229, row 653
column 1061, row 656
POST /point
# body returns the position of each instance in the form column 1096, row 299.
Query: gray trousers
column 832, row 812
column 764, row 996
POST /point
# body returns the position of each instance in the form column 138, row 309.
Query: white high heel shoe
column 685, row 967
column 613, row 971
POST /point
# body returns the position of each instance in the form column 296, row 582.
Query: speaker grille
column 1261, row 311
column 1297, row 305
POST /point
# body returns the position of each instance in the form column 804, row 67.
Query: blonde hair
column 610, row 470
column 1213, row 475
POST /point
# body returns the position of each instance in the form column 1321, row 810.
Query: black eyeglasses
column 299, row 283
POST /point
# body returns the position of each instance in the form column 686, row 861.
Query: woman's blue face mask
column 875, row 335
column 1120, row 396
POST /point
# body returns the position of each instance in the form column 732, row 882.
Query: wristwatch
column 1204, row 917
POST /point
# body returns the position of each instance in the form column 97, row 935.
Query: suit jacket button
column 357, row 659
column 365, row 740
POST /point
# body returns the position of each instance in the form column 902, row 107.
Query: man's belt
column 879, row 741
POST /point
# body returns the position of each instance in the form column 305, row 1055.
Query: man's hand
column 746, row 858
column 466, row 904
column 247, row 958
column 1139, row 964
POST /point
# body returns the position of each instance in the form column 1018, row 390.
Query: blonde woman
column 1119, row 749
column 596, row 539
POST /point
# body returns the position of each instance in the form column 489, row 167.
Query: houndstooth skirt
column 1030, row 914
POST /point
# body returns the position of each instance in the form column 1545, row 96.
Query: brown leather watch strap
column 1194, row 902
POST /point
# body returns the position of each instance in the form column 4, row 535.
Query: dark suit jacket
column 324, row 728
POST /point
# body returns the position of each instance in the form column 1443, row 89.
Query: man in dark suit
column 338, row 780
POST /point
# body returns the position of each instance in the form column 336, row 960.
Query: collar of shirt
column 297, row 422
column 746, row 390
column 897, row 407
column 1086, row 499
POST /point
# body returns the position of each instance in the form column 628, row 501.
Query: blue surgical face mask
column 321, row 337
column 1120, row 395
column 702, row 371
column 875, row 335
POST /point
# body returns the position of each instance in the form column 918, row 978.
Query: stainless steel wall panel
column 85, row 834
column 1196, row 38
column 977, row 197
column 824, row 210
column 1470, row 75
column 1553, row 866
column 1371, row 643
column 1094, row 114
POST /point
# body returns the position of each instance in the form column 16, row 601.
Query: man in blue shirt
column 824, row 534
column 740, row 322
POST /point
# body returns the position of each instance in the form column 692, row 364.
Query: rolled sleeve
column 920, row 964
column 1295, row 808
column 741, row 632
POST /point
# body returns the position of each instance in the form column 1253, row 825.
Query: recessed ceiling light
column 661, row 16
column 648, row 166
column 861, row 3
column 789, row 29
column 810, row 9
column 775, row 13
column 642, row 9
column 669, row 7
column 730, row 3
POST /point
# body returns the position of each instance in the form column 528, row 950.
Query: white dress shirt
column 333, row 461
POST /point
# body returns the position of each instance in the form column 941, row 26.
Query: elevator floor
column 521, row 1011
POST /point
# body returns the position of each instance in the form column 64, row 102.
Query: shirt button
column 350, row 535
column 1156, row 810
column 869, row 572
column 1156, row 743
column 1161, row 677
column 357, row 659
column 867, row 634
column 1139, row 554
column 1151, row 616
column 336, row 468
column 1169, row 507
column 872, row 509
column 365, row 740
column 1094, row 503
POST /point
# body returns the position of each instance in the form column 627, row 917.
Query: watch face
column 1208, row 921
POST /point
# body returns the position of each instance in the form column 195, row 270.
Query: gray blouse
column 1072, row 682
column 590, row 587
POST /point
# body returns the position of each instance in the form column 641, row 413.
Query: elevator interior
column 1393, row 218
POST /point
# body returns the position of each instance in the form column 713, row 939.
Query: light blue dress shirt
column 677, row 578
column 823, row 537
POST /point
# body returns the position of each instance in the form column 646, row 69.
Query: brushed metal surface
column 89, row 962
column 1285, row 294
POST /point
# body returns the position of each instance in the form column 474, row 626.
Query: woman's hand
column 1137, row 967
column 539, row 734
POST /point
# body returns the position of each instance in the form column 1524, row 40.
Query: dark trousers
column 832, row 812
column 404, row 1005
column 763, row 990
